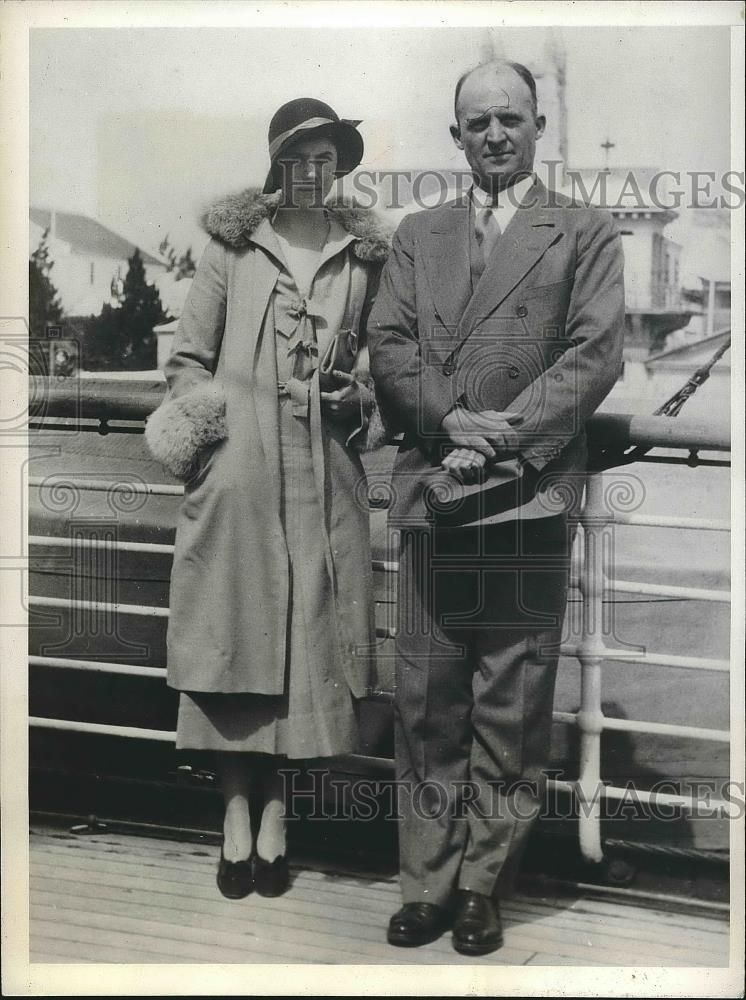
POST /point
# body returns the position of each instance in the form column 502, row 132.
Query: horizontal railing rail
column 134, row 400
column 105, row 401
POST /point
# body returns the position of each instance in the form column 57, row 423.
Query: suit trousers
column 480, row 613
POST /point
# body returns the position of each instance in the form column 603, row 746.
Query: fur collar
column 233, row 219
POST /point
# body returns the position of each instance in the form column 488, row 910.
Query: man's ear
column 541, row 124
column 456, row 136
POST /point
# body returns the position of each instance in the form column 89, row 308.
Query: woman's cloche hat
column 307, row 116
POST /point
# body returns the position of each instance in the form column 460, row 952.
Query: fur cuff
column 183, row 425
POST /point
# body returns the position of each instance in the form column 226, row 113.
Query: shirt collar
column 517, row 191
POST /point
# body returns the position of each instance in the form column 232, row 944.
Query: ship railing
column 122, row 407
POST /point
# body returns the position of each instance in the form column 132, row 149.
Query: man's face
column 307, row 172
column 496, row 127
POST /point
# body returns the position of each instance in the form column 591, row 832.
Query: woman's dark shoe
column 271, row 878
column 235, row 878
column 477, row 929
column 416, row 924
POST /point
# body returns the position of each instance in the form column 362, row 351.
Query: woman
column 269, row 403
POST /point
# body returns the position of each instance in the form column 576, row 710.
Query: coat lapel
column 446, row 256
column 531, row 231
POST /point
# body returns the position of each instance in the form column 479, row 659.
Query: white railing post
column 604, row 508
column 591, row 652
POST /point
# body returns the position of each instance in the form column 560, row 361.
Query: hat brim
column 345, row 136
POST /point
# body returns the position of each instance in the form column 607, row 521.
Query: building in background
column 706, row 273
column 90, row 261
column 652, row 259
column 677, row 273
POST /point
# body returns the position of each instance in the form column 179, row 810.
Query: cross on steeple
column 606, row 146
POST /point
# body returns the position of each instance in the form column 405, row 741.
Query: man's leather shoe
column 477, row 929
column 416, row 924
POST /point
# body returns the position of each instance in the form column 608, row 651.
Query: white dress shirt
column 508, row 200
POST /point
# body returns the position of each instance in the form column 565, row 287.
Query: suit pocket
column 542, row 309
column 550, row 290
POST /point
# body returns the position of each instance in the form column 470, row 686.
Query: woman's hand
column 466, row 464
column 345, row 403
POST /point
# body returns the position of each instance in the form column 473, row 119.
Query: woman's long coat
column 218, row 430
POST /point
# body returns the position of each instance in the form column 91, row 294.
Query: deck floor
column 127, row 899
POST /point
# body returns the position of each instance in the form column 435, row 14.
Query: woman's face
column 307, row 171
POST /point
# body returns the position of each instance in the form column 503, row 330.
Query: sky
column 142, row 128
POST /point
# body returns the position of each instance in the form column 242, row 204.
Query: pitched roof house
column 88, row 258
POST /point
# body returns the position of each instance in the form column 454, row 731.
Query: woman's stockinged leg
column 271, row 842
column 238, row 775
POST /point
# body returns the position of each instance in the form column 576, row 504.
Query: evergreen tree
column 140, row 311
column 122, row 338
column 44, row 305
column 166, row 250
column 186, row 267
column 105, row 346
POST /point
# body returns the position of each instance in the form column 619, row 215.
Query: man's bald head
column 497, row 123
column 498, row 67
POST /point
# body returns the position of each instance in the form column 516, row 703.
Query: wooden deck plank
column 283, row 924
column 253, row 908
column 590, row 906
column 242, row 940
column 574, row 906
column 178, row 868
column 154, row 854
column 118, row 896
column 586, row 949
column 57, row 951
column 75, row 953
column 143, row 944
column 196, row 854
column 279, row 913
column 299, row 938
column 286, row 911
column 605, row 901
column 350, row 911
column 521, row 933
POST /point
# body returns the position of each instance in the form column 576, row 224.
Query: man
column 496, row 334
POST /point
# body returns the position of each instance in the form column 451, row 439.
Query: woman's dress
column 316, row 715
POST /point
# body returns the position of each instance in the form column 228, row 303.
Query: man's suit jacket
column 540, row 335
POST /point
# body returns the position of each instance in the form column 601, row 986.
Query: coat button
column 521, row 310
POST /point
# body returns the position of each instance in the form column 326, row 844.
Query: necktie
column 486, row 231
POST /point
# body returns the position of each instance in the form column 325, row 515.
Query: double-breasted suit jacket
column 481, row 605
column 541, row 334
